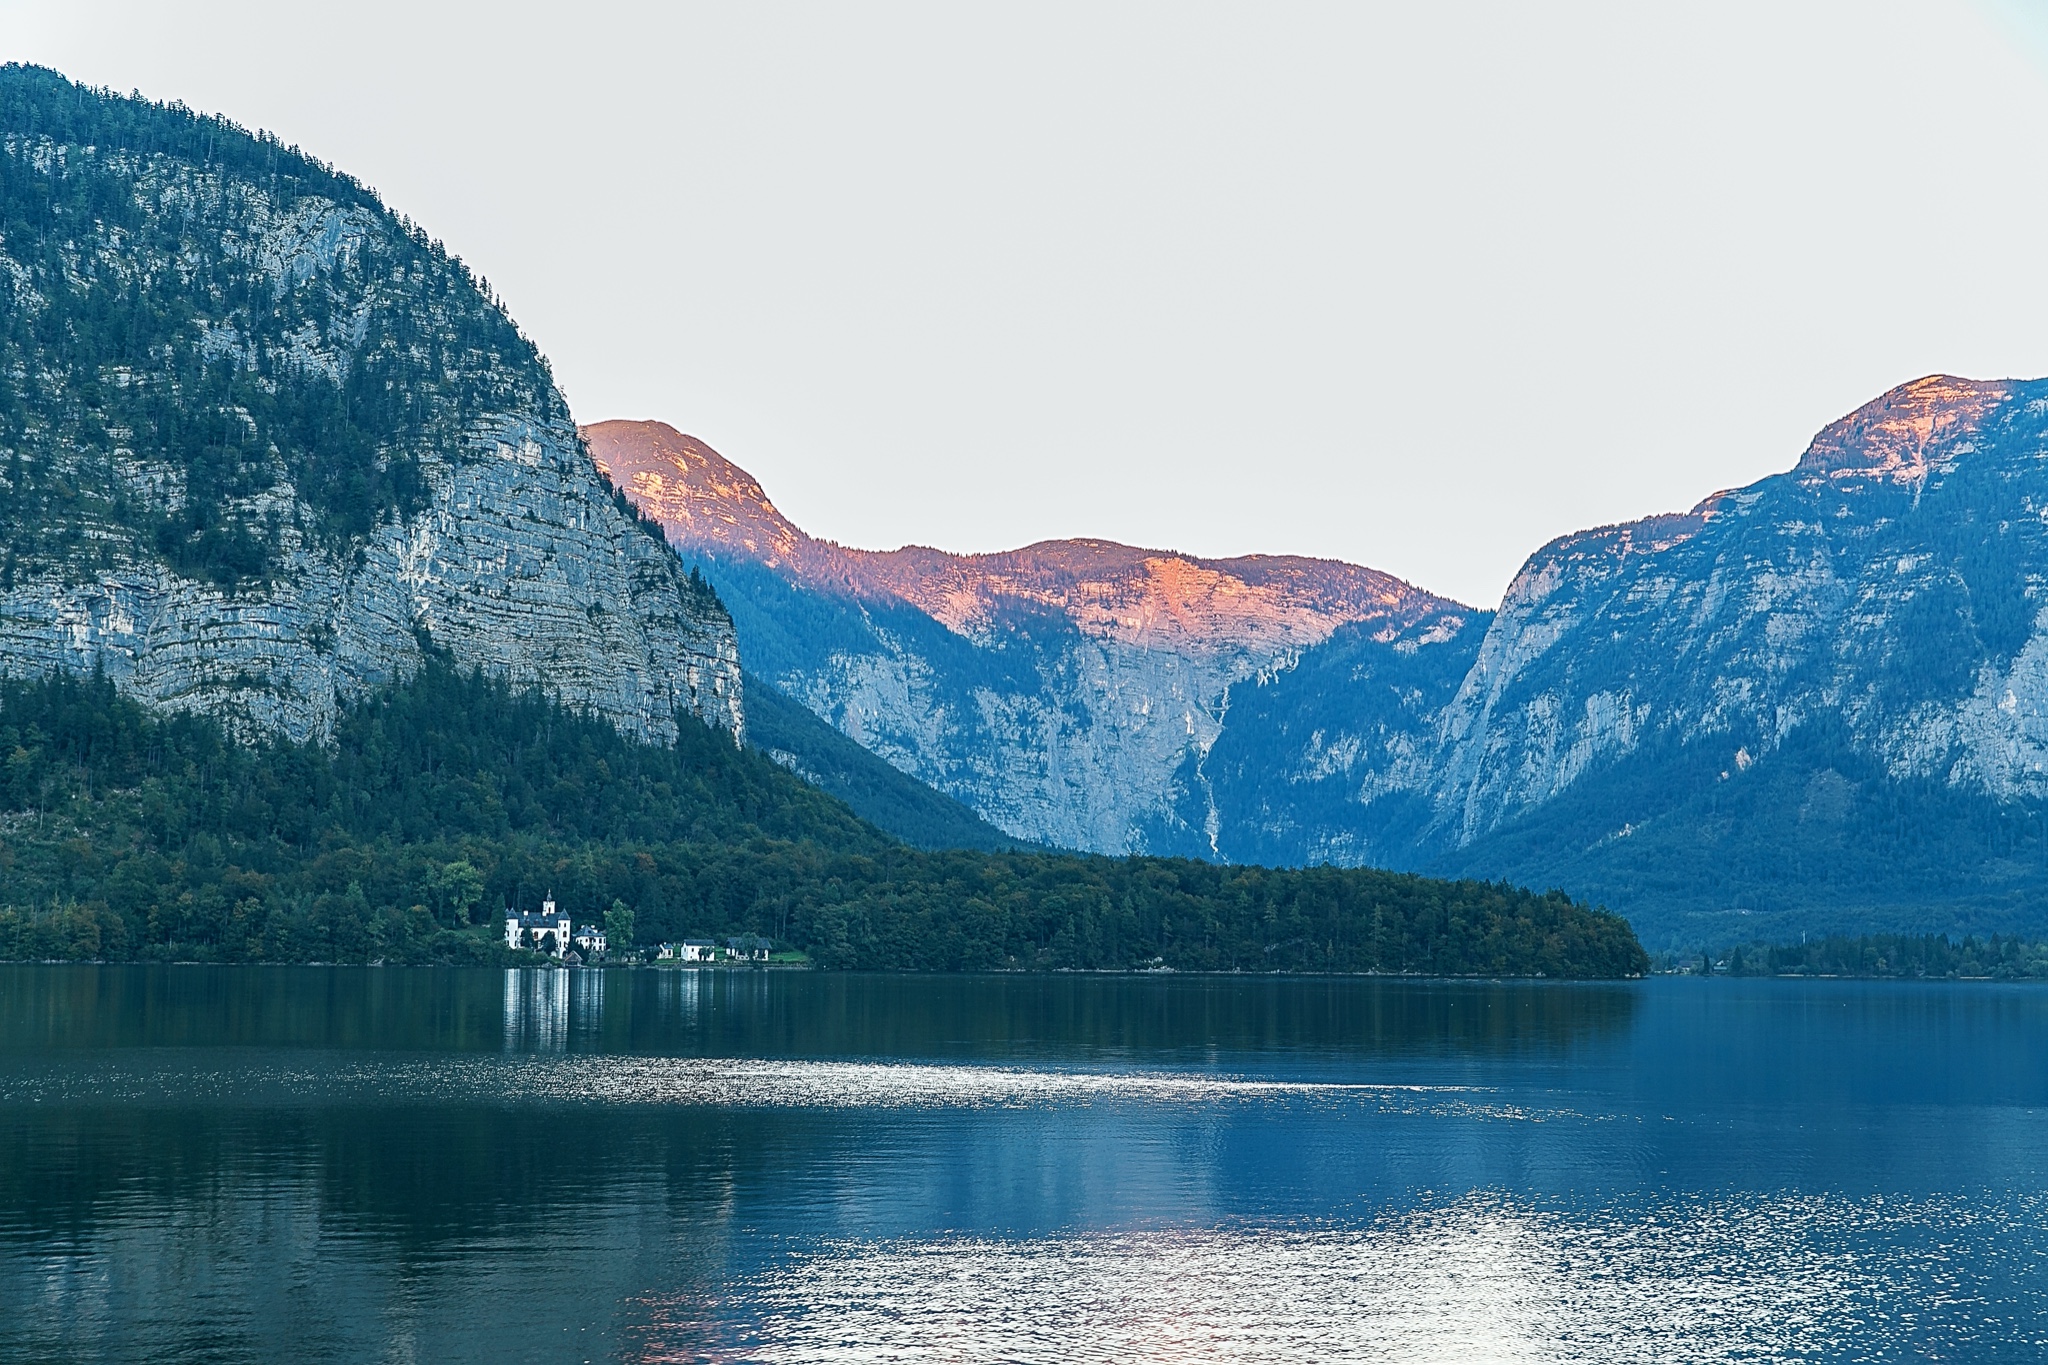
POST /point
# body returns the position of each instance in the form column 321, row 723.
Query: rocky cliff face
column 1068, row 691
column 262, row 443
column 1892, row 582
column 1818, row 702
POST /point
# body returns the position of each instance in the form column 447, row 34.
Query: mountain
column 322, row 636
column 1067, row 691
column 1816, row 704
column 877, row 793
column 262, row 443
column 1819, row 702
column 266, row 451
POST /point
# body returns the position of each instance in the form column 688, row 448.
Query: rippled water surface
column 395, row 1165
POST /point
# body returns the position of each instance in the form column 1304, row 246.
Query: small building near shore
column 749, row 948
column 547, row 932
column 689, row 950
column 590, row 939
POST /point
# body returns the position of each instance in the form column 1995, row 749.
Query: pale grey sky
column 1418, row 286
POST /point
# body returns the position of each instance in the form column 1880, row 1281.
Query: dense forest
column 1929, row 956
column 1816, row 838
column 131, row 834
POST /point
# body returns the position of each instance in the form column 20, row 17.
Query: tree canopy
column 134, row 834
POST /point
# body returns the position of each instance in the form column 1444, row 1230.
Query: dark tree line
column 131, row 834
column 1930, row 956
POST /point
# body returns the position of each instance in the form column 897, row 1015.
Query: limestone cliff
column 1819, row 702
column 1068, row 691
column 1893, row 581
column 262, row 442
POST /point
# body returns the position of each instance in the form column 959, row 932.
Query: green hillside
column 131, row 834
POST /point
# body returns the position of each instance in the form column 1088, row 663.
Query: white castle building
column 548, row 932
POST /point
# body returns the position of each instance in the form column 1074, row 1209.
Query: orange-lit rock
column 1892, row 434
column 1111, row 591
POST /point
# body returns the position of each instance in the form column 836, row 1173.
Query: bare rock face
column 518, row 564
column 1891, row 583
column 266, row 444
column 1067, row 691
column 1816, row 703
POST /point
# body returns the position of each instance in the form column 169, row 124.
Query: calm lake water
column 318, row 1164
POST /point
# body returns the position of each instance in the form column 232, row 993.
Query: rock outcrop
column 263, row 444
column 1067, row 691
column 1817, row 702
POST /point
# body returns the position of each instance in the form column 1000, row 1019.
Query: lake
column 361, row 1164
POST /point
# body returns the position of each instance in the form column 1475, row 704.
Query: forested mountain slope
column 440, row 800
column 259, row 438
column 322, row 637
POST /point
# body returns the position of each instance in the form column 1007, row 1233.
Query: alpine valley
column 1815, row 704
column 322, row 638
column 272, row 461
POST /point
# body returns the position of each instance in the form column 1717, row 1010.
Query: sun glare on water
column 1480, row 1280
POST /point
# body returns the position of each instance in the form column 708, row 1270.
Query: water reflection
column 586, row 1000
column 725, row 1013
column 536, row 1009
column 208, row 1164
column 676, row 993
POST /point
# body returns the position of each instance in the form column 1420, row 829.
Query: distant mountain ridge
column 1820, row 701
column 1107, row 589
column 1058, row 689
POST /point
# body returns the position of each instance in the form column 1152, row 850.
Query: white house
column 547, row 932
column 590, row 939
column 749, row 947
